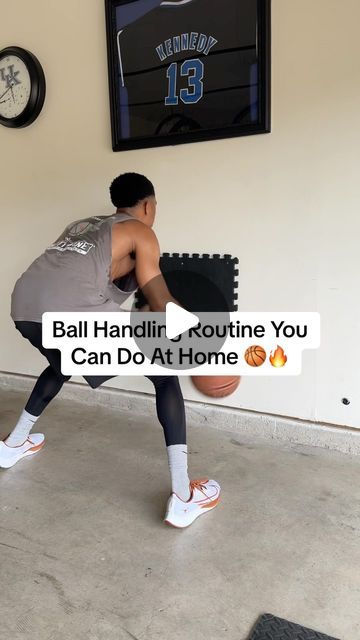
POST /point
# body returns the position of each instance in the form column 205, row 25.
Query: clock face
column 15, row 86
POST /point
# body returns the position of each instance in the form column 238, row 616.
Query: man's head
column 134, row 194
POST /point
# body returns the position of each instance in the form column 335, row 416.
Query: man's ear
column 146, row 207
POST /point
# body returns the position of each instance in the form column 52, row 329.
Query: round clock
column 22, row 87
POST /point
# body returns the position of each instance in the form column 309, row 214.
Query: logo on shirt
column 67, row 245
column 80, row 227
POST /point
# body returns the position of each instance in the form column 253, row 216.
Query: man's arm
column 147, row 269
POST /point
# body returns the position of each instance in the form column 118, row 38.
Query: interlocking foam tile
column 270, row 627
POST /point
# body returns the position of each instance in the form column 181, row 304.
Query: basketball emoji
column 255, row 356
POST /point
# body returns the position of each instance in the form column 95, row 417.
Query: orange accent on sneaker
column 199, row 484
column 210, row 504
column 37, row 447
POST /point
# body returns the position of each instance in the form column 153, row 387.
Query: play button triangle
column 178, row 320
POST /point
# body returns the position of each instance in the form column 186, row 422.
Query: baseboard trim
column 245, row 424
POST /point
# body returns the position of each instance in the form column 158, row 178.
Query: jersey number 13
column 194, row 70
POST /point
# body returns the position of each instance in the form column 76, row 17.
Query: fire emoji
column 279, row 358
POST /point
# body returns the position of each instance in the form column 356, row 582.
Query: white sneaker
column 11, row 455
column 205, row 495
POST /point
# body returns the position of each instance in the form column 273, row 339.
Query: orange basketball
column 255, row 356
column 216, row 386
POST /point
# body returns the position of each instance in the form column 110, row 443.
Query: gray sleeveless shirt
column 74, row 273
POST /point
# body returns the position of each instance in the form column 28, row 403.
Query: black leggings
column 169, row 400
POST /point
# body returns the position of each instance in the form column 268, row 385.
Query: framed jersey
column 187, row 70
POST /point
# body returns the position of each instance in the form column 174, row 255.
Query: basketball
column 216, row 386
column 255, row 356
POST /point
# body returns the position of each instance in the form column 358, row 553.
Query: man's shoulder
column 134, row 228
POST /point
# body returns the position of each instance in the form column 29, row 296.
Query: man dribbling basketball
column 77, row 273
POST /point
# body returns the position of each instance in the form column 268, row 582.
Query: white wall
column 287, row 204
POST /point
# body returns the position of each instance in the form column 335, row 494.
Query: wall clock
column 22, row 87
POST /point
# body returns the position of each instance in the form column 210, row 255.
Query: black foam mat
column 200, row 282
column 270, row 627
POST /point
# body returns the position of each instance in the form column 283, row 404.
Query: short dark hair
column 129, row 189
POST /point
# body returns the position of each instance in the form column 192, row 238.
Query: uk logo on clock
column 22, row 87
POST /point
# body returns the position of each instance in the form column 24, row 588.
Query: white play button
column 178, row 320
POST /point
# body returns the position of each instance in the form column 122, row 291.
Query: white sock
column 22, row 429
column 177, row 456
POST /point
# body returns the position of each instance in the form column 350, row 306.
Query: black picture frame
column 157, row 139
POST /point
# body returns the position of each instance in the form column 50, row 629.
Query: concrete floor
column 85, row 555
